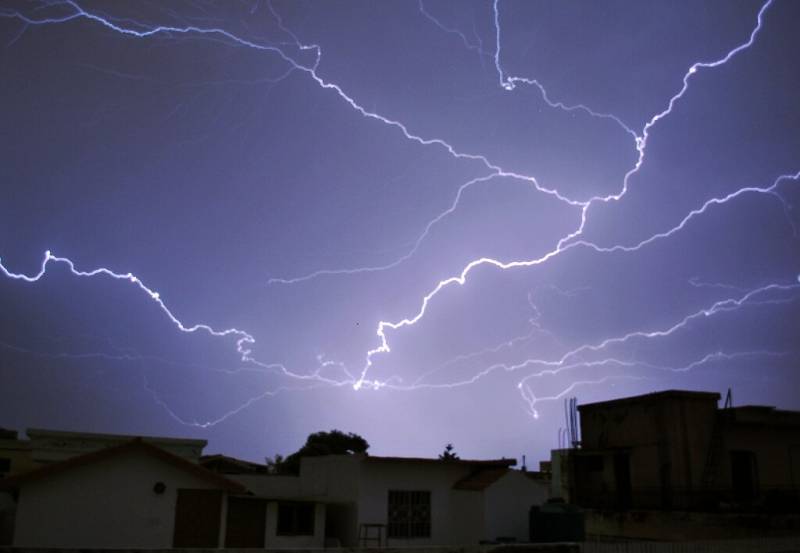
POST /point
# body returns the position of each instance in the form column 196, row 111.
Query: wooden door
column 197, row 518
column 246, row 522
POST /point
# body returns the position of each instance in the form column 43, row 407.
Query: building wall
column 507, row 504
column 332, row 477
column 667, row 439
column 449, row 508
column 270, row 485
column 681, row 447
column 273, row 540
column 108, row 504
column 776, row 451
column 561, row 477
column 355, row 491
column 691, row 436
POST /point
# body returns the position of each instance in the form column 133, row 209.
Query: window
column 409, row 514
column 295, row 519
column 744, row 476
column 5, row 466
column 622, row 480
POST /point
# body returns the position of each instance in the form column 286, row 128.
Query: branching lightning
column 243, row 339
column 566, row 242
column 572, row 359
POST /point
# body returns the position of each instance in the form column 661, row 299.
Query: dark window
column 666, row 485
column 295, row 519
column 589, row 489
column 744, row 476
column 622, row 479
column 5, row 466
column 409, row 514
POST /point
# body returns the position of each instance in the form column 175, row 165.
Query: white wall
column 334, row 478
column 507, row 505
column 110, row 503
column 270, row 485
column 317, row 541
column 454, row 513
column 291, row 488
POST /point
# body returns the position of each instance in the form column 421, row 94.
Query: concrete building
column 44, row 447
column 677, row 451
column 400, row 501
column 130, row 495
column 108, row 491
column 83, row 490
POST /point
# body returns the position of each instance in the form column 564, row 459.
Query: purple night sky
column 424, row 222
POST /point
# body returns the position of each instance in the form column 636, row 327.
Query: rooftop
column 478, row 462
column 43, row 433
column 135, row 445
column 654, row 396
column 225, row 464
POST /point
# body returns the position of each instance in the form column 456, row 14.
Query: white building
column 47, row 448
column 133, row 495
column 411, row 501
column 136, row 494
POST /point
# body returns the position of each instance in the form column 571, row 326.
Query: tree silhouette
column 448, row 454
column 317, row 444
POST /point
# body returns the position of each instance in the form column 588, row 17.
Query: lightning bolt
column 570, row 360
column 510, row 83
column 568, row 242
column 245, row 341
column 531, row 399
column 228, row 414
column 453, row 31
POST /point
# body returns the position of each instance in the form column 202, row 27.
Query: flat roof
column 480, row 462
column 66, row 434
column 665, row 394
column 763, row 414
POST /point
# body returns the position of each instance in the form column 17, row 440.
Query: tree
column 317, row 444
column 448, row 454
